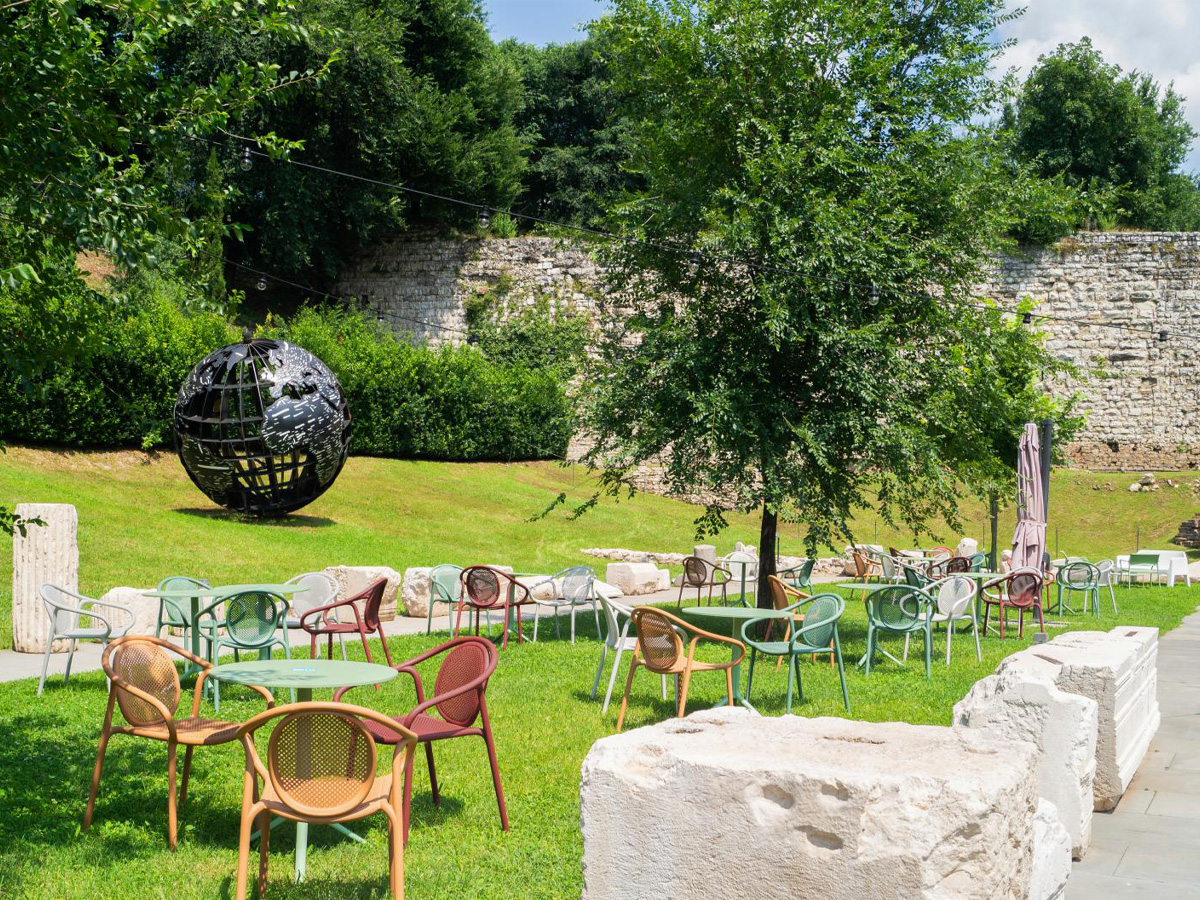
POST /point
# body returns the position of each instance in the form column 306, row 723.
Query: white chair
column 617, row 617
column 955, row 597
column 316, row 589
column 743, row 567
column 65, row 609
column 1108, row 578
column 570, row 588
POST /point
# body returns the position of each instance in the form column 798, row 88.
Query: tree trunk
column 994, row 509
column 766, row 556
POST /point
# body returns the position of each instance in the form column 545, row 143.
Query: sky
column 1154, row 36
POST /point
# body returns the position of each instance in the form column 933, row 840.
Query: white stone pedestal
column 353, row 579
column 47, row 553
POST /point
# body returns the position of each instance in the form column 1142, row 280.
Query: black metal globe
column 262, row 427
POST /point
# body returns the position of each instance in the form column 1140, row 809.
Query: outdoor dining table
column 194, row 594
column 735, row 616
column 303, row 675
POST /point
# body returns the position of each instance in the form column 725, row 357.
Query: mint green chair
column 1079, row 577
column 174, row 613
column 799, row 576
column 977, row 561
column 445, row 586
column 817, row 635
column 252, row 622
column 900, row 610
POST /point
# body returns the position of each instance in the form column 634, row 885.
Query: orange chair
column 144, row 683
column 320, row 769
column 660, row 649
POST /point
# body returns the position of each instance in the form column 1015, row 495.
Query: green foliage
column 1119, row 138
column 543, row 335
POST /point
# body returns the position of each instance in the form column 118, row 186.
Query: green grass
column 544, row 724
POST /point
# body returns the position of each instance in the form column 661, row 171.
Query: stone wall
column 1142, row 394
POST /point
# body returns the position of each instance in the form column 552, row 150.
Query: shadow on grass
column 288, row 521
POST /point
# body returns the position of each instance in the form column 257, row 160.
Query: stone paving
column 1149, row 846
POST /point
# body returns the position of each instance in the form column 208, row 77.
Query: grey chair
column 1108, row 578
column 66, row 609
column 571, row 588
column 617, row 617
column 445, row 586
column 317, row 589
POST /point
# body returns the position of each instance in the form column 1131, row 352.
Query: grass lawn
column 544, row 723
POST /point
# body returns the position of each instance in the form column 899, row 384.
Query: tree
column 814, row 357
column 1119, row 136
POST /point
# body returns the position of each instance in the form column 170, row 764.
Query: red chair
column 323, row 620
column 458, row 697
column 1022, row 591
column 486, row 589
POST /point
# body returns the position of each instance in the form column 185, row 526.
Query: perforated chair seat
column 373, row 802
column 194, row 730
column 427, row 728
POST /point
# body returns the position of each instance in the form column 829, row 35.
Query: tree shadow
column 293, row 520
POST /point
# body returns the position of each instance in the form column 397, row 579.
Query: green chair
column 900, row 610
column 445, row 586
column 1081, row 577
column 914, row 577
column 1141, row 564
column 250, row 623
column 174, row 613
column 817, row 635
column 799, row 576
column 977, row 561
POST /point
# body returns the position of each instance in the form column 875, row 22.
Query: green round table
column 303, row 676
column 709, row 617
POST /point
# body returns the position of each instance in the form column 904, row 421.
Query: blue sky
column 1155, row 36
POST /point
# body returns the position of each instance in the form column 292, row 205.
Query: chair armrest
column 198, row 690
column 324, row 610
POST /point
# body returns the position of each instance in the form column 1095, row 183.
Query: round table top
column 223, row 590
column 727, row 613
column 303, row 673
column 868, row 586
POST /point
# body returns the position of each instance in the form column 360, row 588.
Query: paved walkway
column 1149, row 846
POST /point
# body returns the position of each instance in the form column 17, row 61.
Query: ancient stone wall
column 1142, row 394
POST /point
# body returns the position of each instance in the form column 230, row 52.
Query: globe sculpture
column 262, row 427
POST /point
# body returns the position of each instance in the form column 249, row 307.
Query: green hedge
column 117, row 386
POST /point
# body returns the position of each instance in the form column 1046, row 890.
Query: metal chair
column 699, row 573
column 460, row 701
column 816, row 636
column 977, row 561
column 486, row 589
column 316, row 589
column 320, row 768
column 171, row 614
column 1080, row 577
column 444, row 587
column 1107, row 570
column 660, row 649
column 743, row 571
column 66, row 609
column 1021, row 590
column 955, row 598
column 887, row 567
column 250, row 623
column 799, row 576
column 326, row 620
column 143, row 682
column 1141, row 565
column 899, row 610
column 571, row 588
column 617, row 617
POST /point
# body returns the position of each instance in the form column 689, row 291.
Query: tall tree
column 813, row 357
column 1119, row 136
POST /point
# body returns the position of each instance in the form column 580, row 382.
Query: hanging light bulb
column 485, row 217
column 1027, row 319
column 379, row 316
column 262, row 283
column 1162, row 337
column 874, row 294
column 247, row 161
column 695, row 258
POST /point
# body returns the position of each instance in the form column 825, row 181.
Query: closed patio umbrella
column 1029, row 539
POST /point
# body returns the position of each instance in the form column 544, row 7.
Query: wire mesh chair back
column 612, row 618
column 821, row 615
column 482, row 586
column 373, row 595
column 954, row 595
column 899, row 608
column 887, row 564
column 1104, row 571
column 695, row 570
column 471, row 658
column 912, row 577
column 806, row 571
column 444, row 583
column 1023, row 588
column 1081, row 575
column 181, row 582
column 315, row 589
column 658, row 640
column 321, row 763
column 252, row 617
column 149, row 668
column 577, row 584
column 957, row 565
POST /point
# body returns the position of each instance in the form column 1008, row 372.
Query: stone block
column 967, row 547
column 1023, row 702
column 633, row 579
column 664, row 579
column 1051, row 854
column 46, row 553
column 145, row 609
column 725, row 803
column 415, row 592
column 705, row 551
column 353, row 579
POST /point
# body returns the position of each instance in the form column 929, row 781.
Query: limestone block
column 664, row 579
column 1022, row 702
column 633, row 579
column 353, row 579
column 46, row 553
column 604, row 589
column 706, row 806
column 967, row 547
column 415, row 592
column 1051, row 854
column 145, row 609
column 705, row 551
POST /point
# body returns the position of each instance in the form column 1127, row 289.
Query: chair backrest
column 576, row 583
column 821, row 615
column 660, row 644
column 695, row 570
column 977, row 561
column 181, row 582
column 252, row 617
column 469, row 658
column 886, row 564
column 899, row 608
column 941, row 551
column 1080, row 575
column 912, row 577
column 144, row 664
column 1024, row 588
column 742, row 565
column 806, row 571
column 445, row 584
column 53, row 597
column 894, row 553
column 316, row 589
column 953, row 595
column 1143, row 559
column 372, row 598
column 612, row 619
column 957, row 565
column 321, row 763
column 1106, row 570
column 861, row 568
column 482, row 586
column 780, row 598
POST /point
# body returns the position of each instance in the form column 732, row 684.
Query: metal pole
column 1047, row 440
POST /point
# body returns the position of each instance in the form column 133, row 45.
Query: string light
column 485, row 217
column 874, row 294
column 1027, row 319
column 247, row 161
column 1162, row 336
column 262, row 284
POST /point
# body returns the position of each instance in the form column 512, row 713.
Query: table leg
column 303, row 695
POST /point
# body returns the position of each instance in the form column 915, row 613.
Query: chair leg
column 105, row 734
column 45, row 662
column 406, row 814
column 904, row 656
column 387, row 654
column 433, row 785
column 681, row 706
column 599, row 668
column 842, row 677
column 928, row 653
column 729, row 685
column 537, row 618
column 264, row 841
column 750, row 674
column 489, row 740
column 975, row 628
column 70, row 659
column 949, row 637
column 342, row 642
column 791, row 667
column 870, row 650
column 596, row 613
column 243, row 868
column 366, row 646
column 187, row 771
column 628, row 685
column 395, row 857
column 171, row 813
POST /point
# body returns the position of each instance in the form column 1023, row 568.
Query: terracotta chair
column 865, row 568
column 1022, row 591
column 660, row 649
column 699, row 573
column 459, row 699
column 143, row 682
column 486, row 589
column 324, row 620
column 320, row 769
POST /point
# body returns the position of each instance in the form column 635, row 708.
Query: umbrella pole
column 994, row 510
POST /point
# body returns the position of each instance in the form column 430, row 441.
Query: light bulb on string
column 1027, row 319
column 874, row 294
column 694, row 259
column 247, row 161
column 1162, row 337
column 261, row 284
column 485, row 217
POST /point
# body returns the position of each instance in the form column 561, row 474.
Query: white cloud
column 1153, row 36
